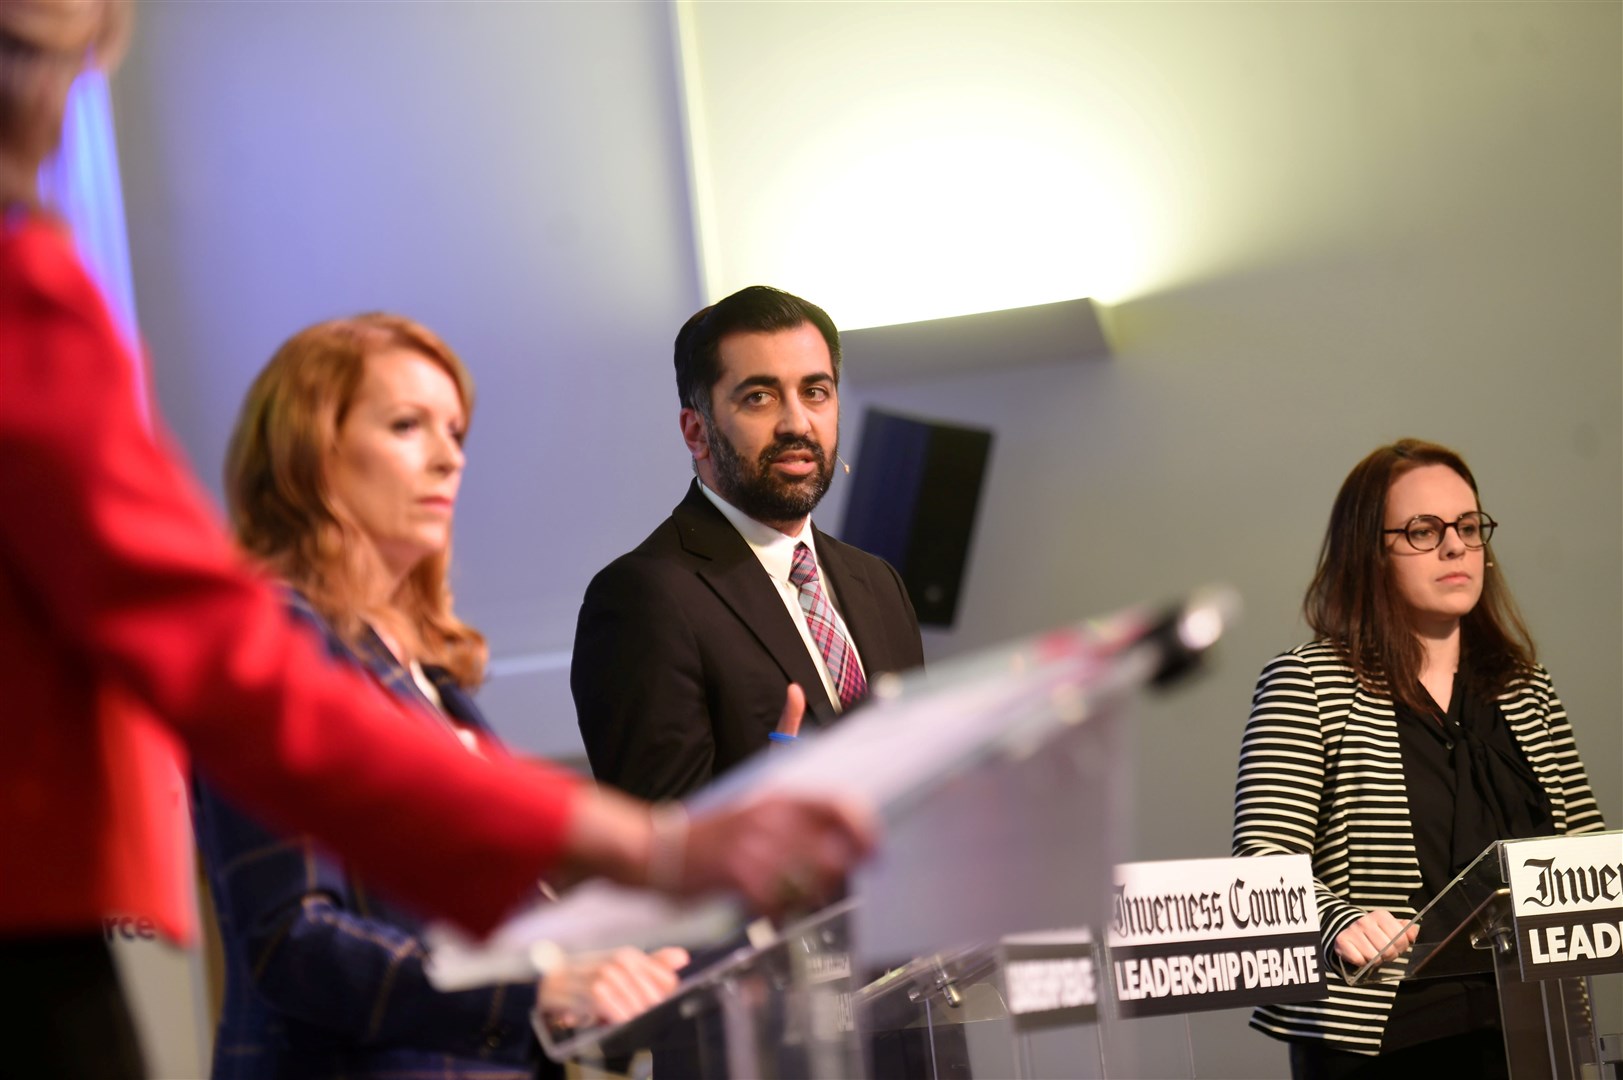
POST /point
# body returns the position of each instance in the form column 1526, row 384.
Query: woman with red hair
column 131, row 629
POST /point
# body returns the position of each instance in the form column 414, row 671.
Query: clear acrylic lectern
column 1001, row 785
column 1550, row 1023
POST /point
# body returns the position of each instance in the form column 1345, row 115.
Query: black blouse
column 1468, row 785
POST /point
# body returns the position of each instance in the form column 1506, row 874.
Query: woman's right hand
column 779, row 852
column 1364, row 940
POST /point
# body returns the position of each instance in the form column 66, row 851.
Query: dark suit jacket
column 684, row 650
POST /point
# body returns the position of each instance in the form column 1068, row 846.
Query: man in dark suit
column 687, row 647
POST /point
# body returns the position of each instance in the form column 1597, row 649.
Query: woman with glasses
column 1414, row 731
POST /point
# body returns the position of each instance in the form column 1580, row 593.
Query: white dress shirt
column 776, row 551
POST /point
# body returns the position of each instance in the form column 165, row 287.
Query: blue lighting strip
column 81, row 182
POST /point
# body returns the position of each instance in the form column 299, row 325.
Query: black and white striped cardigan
column 1321, row 773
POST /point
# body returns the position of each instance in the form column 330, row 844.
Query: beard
column 754, row 488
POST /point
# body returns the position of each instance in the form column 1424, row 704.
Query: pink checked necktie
column 824, row 622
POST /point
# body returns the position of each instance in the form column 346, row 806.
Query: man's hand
column 794, row 710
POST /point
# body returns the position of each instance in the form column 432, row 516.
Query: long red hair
column 276, row 490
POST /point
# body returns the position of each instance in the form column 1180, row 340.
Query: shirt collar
column 774, row 549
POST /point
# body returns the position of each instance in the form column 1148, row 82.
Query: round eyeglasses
column 1425, row 532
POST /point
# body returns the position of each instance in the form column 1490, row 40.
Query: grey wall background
column 1409, row 220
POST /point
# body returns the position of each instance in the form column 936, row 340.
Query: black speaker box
column 915, row 488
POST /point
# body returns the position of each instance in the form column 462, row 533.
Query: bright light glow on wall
column 921, row 224
column 904, row 162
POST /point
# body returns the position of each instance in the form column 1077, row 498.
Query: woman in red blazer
column 129, row 629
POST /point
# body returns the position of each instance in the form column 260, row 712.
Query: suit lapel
column 735, row 575
column 375, row 656
column 854, row 596
column 458, row 703
column 1519, row 708
column 1373, row 719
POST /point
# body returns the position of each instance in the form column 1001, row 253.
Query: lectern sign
column 1197, row 934
column 1050, row 980
column 1567, row 898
